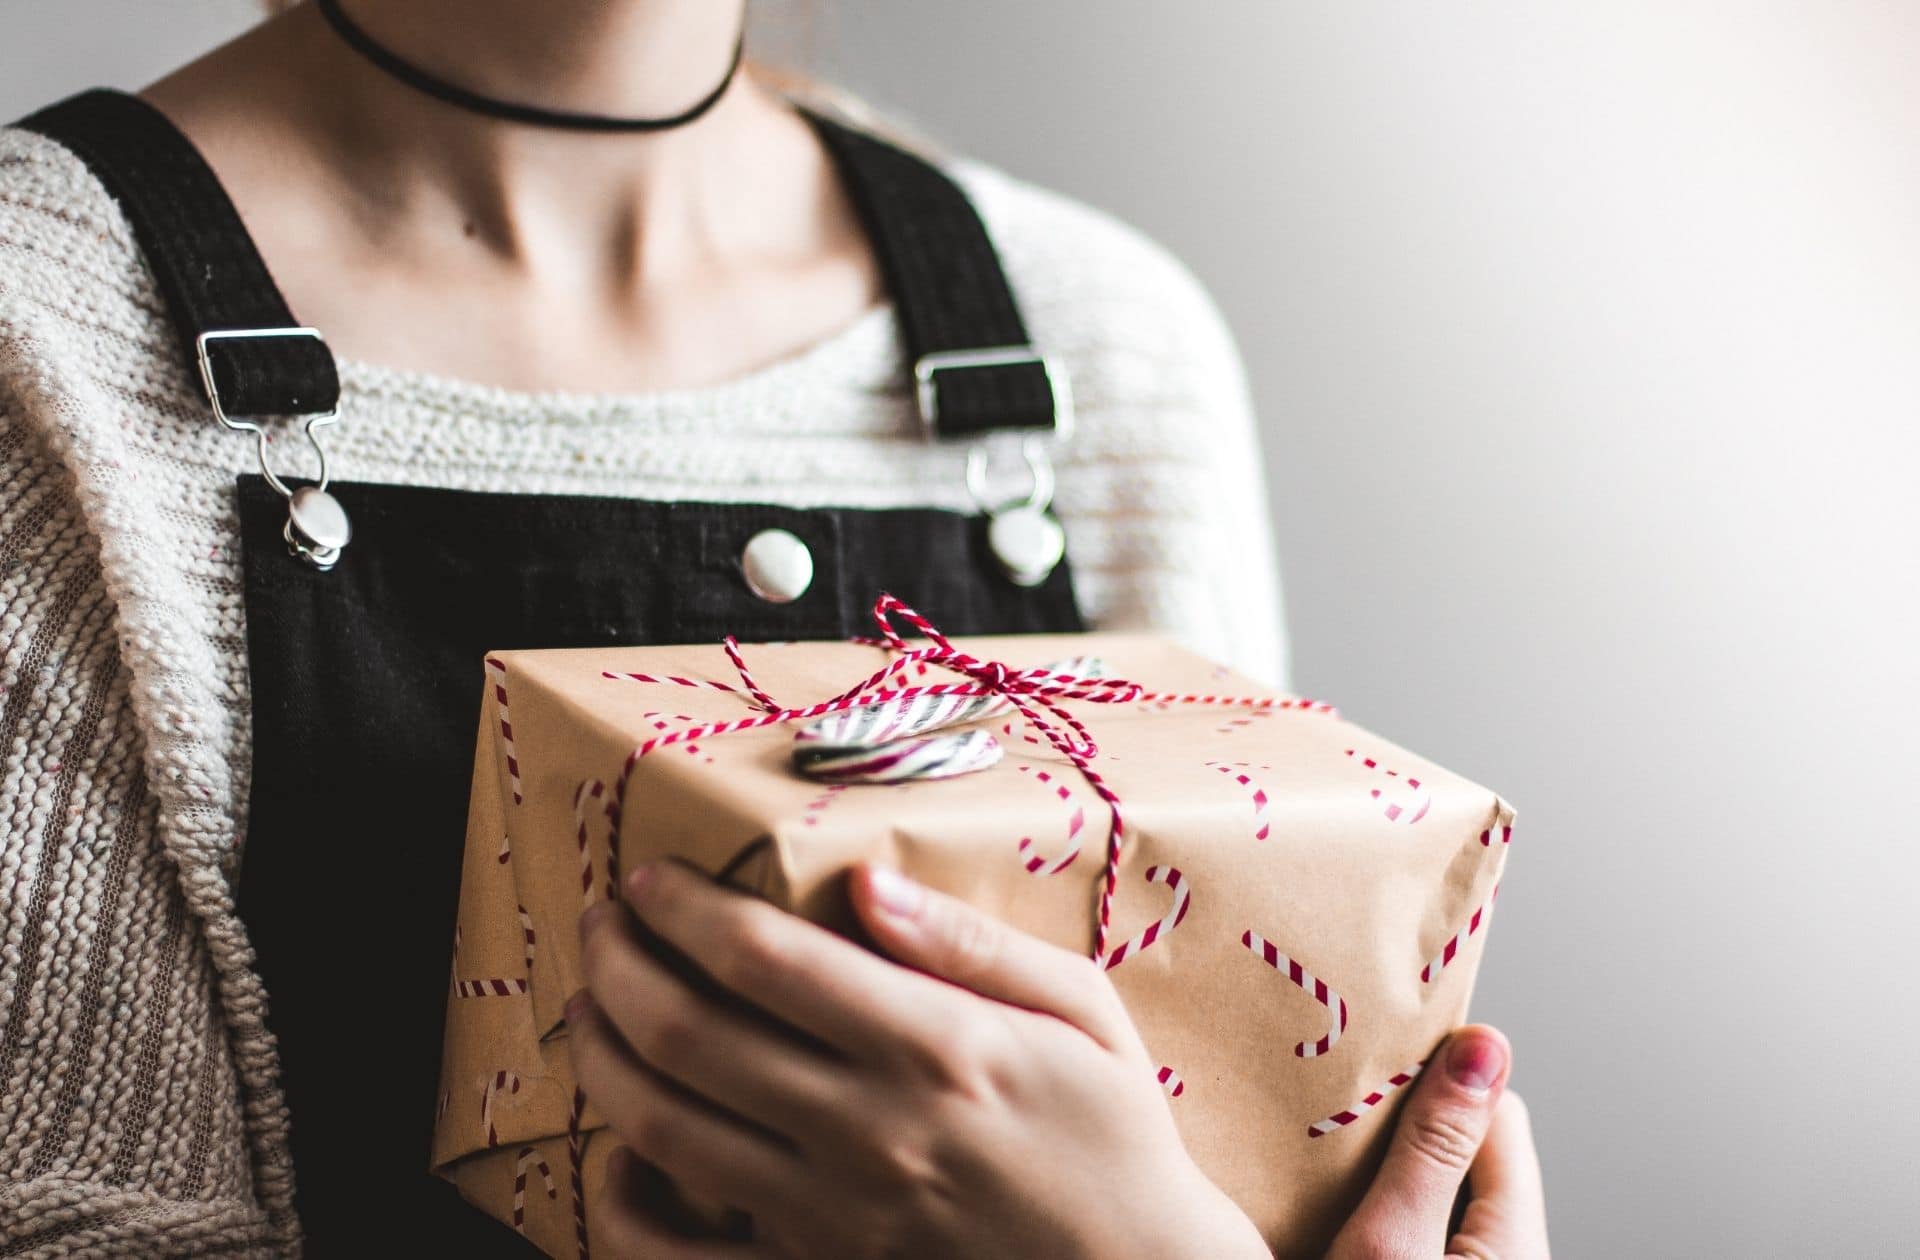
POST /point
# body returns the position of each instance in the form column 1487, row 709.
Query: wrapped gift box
column 1298, row 916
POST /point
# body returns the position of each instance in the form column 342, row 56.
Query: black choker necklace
column 414, row 77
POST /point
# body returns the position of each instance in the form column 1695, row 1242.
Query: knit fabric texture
column 139, row 1108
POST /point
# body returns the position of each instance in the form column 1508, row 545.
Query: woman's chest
column 366, row 682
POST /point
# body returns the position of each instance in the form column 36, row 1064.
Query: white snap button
column 1029, row 543
column 319, row 517
column 777, row 565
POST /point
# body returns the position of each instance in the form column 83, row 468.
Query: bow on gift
column 1037, row 694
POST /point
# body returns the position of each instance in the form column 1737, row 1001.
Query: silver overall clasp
column 317, row 528
column 1024, row 535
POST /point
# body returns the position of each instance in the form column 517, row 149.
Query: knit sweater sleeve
column 122, row 1130
column 1244, row 614
column 120, row 1126
column 1163, row 487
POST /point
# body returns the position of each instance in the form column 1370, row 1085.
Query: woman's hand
column 988, row 1098
column 1460, row 1122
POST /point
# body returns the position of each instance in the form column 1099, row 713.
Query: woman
column 628, row 377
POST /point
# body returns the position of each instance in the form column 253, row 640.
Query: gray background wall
column 1585, row 338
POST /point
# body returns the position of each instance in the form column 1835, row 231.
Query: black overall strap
column 974, row 366
column 207, row 268
column 975, row 369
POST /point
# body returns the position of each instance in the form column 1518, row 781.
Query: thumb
column 1405, row 1212
column 945, row 937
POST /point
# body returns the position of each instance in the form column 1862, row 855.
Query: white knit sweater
column 139, row 1109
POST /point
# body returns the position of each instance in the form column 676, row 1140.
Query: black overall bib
column 365, row 677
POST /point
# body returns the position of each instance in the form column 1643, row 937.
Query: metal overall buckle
column 317, row 528
column 1025, row 537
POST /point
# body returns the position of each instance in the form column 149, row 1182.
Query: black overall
column 365, row 678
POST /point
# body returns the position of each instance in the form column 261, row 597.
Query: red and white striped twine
column 1031, row 692
column 1237, row 771
column 529, row 1155
column 1415, row 802
column 1341, row 1119
column 1451, row 949
column 674, row 679
column 1029, row 857
column 1161, row 927
column 497, row 670
column 503, row 1081
column 495, row 986
column 1275, row 704
column 1315, row 988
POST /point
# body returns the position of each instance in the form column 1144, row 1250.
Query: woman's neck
column 422, row 233
column 618, row 204
column 616, row 57
column 528, row 191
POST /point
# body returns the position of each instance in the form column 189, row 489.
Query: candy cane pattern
column 1237, row 771
column 1314, row 988
column 595, row 790
column 495, row 987
column 576, row 1171
column 503, row 1081
column 1341, row 1119
column 529, row 1155
column 815, row 807
column 1451, row 949
column 506, row 848
column 1506, row 835
column 661, row 723
column 1417, row 805
column 1182, row 899
column 1037, row 865
column 1171, row 1082
column 1233, row 726
column 497, row 670
column 1006, row 728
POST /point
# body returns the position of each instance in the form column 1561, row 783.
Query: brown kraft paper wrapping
column 1336, row 890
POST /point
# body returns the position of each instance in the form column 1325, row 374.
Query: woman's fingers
column 715, row 1156
column 1406, row 1210
column 750, row 1065
column 1507, row 1217
column 948, row 938
column 797, row 971
column 620, row 1224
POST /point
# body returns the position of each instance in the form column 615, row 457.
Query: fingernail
column 576, row 1007
column 638, row 882
column 591, row 917
column 896, row 894
column 1475, row 1062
